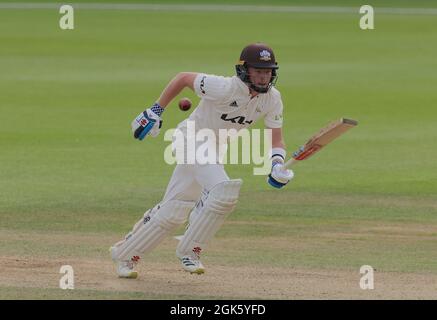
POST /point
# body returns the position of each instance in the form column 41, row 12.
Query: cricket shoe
column 126, row 268
column 192, row 265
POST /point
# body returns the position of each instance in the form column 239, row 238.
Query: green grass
column 68, row 162
column 348, row 3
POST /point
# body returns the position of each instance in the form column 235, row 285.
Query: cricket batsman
column 203, row 193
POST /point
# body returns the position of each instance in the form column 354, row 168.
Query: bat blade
column 321, row 139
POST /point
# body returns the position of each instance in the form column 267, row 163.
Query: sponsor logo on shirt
column 202, row 85
column 238, row 119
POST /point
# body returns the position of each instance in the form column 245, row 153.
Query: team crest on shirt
column 265, row 55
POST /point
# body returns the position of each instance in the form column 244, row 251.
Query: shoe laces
column 189, row 261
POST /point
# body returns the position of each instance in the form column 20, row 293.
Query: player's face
column 260, row 77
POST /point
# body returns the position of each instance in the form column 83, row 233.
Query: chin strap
column 259, row 89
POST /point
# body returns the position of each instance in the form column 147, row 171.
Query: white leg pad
column 208, row 216
column 150, row 230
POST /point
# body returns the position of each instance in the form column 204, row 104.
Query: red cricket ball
column 185, row 104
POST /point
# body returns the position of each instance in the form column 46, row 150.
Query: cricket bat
column 321, row 139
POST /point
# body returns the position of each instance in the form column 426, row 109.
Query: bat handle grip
column 289, row 163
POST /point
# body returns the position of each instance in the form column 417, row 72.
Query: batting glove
column 279, row 176
column 148, row 122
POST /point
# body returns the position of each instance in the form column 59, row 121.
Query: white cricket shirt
column 226, row 103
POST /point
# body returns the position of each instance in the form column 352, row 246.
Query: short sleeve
column 212, row 87
column 273, row 118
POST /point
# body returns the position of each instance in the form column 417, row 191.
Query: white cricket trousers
column 189, row 180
